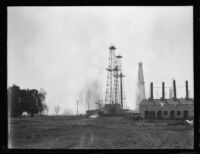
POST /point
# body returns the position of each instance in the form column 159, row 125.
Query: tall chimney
column 186, row 85
column 151, row 90
column 174, row 84
column 163, row 90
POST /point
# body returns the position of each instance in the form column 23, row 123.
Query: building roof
column 166, row 101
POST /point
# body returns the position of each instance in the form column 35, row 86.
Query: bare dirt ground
column 65, row 132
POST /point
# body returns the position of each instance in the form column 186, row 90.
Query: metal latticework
column 123, row 96
column 120, row 76
column 116, row 82
column 110, row 80
column 114, row 87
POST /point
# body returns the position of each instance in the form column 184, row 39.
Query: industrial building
column 172, row 108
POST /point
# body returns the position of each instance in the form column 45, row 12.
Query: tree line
column 31, row 101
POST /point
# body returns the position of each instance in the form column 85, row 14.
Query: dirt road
column 101, row 133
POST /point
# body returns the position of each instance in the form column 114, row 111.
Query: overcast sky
column 64, row 50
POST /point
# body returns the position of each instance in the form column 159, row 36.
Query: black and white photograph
column 100, row 77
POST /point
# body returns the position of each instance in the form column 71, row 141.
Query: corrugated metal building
column 167, row 108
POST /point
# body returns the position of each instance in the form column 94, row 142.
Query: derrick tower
column 114, row 87
column 110, row 80
column 119, row 84
column 140, row 86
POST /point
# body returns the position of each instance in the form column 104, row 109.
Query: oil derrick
column 116, row 82
column 140, row 87
column 119, row 77
column 110, row 80
column 114, row 87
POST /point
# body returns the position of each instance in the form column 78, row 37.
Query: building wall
column 114, row 109
column 168, row 108
column 107, row 109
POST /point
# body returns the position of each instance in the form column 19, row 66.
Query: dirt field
column 64, row 132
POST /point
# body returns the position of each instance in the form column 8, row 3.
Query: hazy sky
column 64, row 50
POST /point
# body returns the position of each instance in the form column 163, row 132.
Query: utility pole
column 89, row 100
column 77, row 108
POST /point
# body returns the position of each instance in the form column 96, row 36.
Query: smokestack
column 151, row 90
column 174, row 84
column 186, row 86
column 163, row 90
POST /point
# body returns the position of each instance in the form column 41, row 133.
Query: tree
column 33, row 105
column 14, row 100
column 57, row 109
column 25, row 100
column 46, row 108
column 41, row 101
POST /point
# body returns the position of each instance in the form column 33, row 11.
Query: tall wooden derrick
column 140, row 86
column 114, row 86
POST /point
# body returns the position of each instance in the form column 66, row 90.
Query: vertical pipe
column 116, row 83
column 186, row 85
column 121, row 89
column 174, row 84
column 89, row 99
column 163, row 90
column 151, row 90
column 111, row 67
